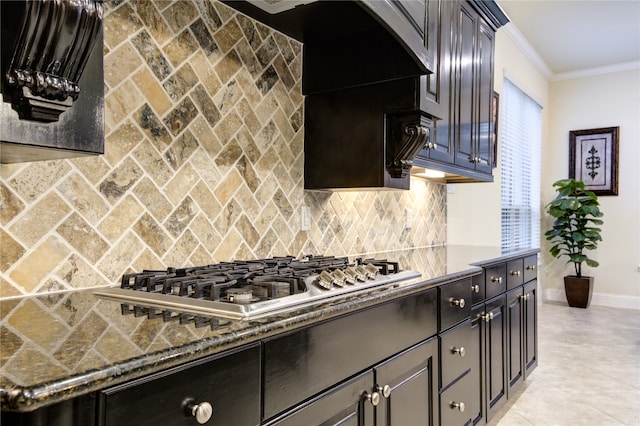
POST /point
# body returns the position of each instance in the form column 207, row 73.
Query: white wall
column 473, row 211
column 591, row 102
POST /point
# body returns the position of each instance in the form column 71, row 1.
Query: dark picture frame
column 593, row 159
column 494, row 115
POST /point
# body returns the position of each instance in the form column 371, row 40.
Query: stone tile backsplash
column 203, row 163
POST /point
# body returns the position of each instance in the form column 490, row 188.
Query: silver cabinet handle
column 496, row 280
column 457, row 406
column 201, row 411
column 384, row 390
column 475, row 288
column 460, row 351
column 457, row 302
column 486, row 317
column 515, row 273
column 373, row 397
column 530, row 267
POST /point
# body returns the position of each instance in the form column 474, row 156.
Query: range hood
column 360, row 132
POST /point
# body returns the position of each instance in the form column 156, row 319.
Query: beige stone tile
column 153, row 234
column 180, row 14
column 152, row 91
column 83, row 237
column 121, row 179
column 31, row 320
column 178, row 49
column 32, row 269
column 152, row 198
column 38, row 177
column 120, row 218
column 227, row 249
column 154, row 165
column 11, row 252
column 116, row 261
column 119, row 63
column 121, row 102
column 206, row 201
column 206, row 74
column 153, row 21
column 228, row 66
column 205, row 233
column 83, row 197
column 179, row 254
column 118, row 24
column 7, row 290
column 182, row 182
column 121, row 141
column 10, row 204
column 77, row 273
column 229, row 185
column 227, row 36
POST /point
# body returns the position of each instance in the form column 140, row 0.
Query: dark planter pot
column 578, row 290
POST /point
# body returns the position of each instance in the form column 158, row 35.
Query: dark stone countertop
column 58, row 346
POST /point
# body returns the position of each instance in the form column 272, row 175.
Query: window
column 521, row 140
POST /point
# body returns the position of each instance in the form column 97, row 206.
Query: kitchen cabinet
column 503, row 334
column 459, row 95
column 316, row 360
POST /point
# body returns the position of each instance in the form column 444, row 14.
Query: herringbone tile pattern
column 203, row 162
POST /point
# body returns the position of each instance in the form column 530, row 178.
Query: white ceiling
column 577, row 36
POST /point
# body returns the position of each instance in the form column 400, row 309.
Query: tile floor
column 588, row 370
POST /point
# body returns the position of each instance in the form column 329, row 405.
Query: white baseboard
column 599, row 299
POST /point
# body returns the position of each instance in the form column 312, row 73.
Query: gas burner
column 254, row 288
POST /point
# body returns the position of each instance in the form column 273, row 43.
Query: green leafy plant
column 575, row 211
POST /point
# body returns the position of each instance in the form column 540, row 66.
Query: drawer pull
column 460, row 351
column 385, row 391
column 202, row 411
column 373, row 398
column 486, row 317
column 531, row 267
column 515, row 273
column 496, row 280
column 457, row 406
column 457, row 302
column 475, row 288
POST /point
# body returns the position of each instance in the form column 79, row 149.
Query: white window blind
column 521, row 140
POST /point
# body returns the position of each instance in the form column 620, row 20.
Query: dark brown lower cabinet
column 515, row 339
column 400, row 391
column 530, row 327
column 493, row 345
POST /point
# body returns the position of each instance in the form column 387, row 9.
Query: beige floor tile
column 588, row 370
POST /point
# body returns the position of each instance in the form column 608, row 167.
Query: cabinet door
column 346, row 405
column 515, row 338
column 463, row 85
column 407, row 385
column 495, row 355
column 483, row 138
column 530, row 327
column 476, row 358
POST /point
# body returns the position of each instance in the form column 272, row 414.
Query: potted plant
column 575, row 211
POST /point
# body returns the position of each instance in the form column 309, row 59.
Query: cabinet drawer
column 496, row 280
column 454, row 300
column 455, row 403
column 530, row 268
column 231, row 384
column 454, row 359
column 477, row 288
column 515, row 273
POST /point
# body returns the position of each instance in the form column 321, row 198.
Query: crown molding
column 527, row 50
column 609, row 69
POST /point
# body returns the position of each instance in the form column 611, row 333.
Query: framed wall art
column 593, row 159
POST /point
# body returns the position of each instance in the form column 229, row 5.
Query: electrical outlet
column 408, row 218
column 451, row 189
column 305, row 218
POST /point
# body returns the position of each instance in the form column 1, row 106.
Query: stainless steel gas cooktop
column 255, row 288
